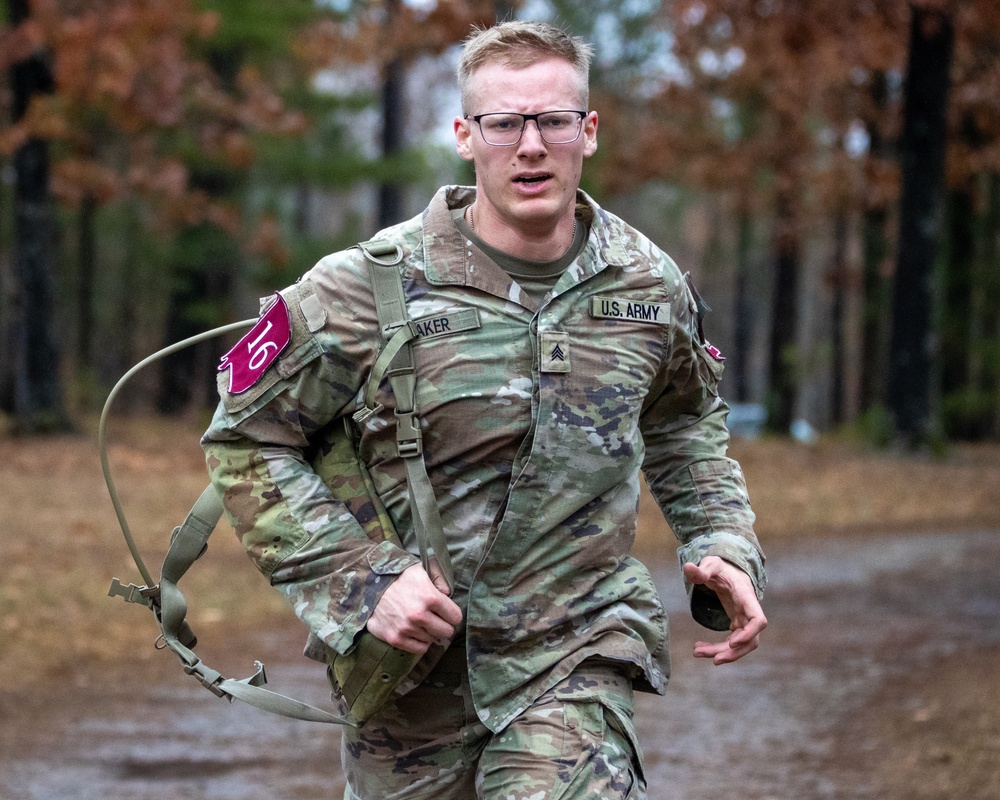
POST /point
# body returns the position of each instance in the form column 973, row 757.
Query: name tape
column 632, row 310
column 446, row 324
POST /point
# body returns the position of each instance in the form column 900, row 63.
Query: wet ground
column 869, row 685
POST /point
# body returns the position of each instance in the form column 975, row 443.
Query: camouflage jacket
column 537, row 420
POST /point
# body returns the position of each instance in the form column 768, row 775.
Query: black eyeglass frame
column 525, row 118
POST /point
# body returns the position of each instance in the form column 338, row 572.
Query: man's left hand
column 736, row 592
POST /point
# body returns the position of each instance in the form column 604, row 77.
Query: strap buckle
column 409, row 437
column 207, row 677
column 382, row 252
column 141, row 595
column 362, row 415
column 214, row 681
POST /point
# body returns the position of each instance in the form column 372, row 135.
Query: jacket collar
column 447, row 258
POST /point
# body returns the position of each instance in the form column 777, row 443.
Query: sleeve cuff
column 336, row 607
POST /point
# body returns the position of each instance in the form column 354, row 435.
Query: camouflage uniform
column 575, row 742
column 537, row 419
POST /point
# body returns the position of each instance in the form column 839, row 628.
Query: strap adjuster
column 141, row 595
column 361, row 416
column 207, row 677
column 409, row 437
column 382, row 252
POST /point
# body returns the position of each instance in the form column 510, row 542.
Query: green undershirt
column 536, row 278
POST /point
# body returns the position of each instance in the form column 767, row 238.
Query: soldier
column 559, row 351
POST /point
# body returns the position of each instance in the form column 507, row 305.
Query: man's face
column 531, row 185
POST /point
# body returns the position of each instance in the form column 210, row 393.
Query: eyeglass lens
column 555, row 127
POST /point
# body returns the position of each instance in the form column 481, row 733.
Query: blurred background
column 828, row 171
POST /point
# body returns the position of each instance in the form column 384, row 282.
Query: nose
column 531, row 140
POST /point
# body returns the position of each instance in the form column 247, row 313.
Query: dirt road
column 873, row 683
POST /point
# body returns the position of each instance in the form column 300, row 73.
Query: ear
column 590, row 134
column 463, row 138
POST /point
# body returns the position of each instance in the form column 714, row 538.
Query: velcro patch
column 447, row 324
column 259, row 348
column 554, row 347
column 632, row 310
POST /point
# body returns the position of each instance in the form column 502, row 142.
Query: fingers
column 410, row 643
column 733, row 648
column 438, row 578
column 736, row 593
column 743, row 639
column 413, row 613
column 413, row 633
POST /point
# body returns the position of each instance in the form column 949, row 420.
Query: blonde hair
column 519, row 44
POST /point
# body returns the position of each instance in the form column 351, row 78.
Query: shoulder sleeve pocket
column 305, row 317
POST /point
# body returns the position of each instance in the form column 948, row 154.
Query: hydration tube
column 187, row 544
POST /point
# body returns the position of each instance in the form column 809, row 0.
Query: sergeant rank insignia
column 554, row 347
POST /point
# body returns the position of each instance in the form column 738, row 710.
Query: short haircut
column 520, row 44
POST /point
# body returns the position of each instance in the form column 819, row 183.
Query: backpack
column 364, row 677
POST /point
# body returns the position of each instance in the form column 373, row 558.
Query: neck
column 546, row 242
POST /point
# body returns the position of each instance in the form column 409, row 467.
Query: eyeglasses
column 555, row 127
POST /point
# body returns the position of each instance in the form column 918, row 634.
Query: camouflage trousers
column 577, row 742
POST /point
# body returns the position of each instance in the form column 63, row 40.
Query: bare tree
column 33, row 388
column 922, row 155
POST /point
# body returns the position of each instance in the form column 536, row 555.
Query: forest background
column 829, row 172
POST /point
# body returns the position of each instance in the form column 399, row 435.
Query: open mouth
column 531, row 180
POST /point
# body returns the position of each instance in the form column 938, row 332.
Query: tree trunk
column 743, row 326
column 37, row 401
column 187, row 378
column 203, row 269
column 87, row 259
column 390, row 206
column 984, row 363
column 6, row 311
column 922, row 151
column 957, row 317
column 876, row 309
column 839, row 281
column 390, row 201
column 784, row 314
column 876, row 301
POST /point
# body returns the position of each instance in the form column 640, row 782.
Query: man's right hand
column 415, row 612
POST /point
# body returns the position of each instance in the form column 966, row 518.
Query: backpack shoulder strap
column 395, row 361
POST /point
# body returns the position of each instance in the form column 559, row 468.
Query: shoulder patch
column 259, row 348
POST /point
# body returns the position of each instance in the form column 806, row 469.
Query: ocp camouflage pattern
column 579, row 737
column 537, row 421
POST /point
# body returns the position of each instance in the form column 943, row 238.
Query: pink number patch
column 255, row 352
